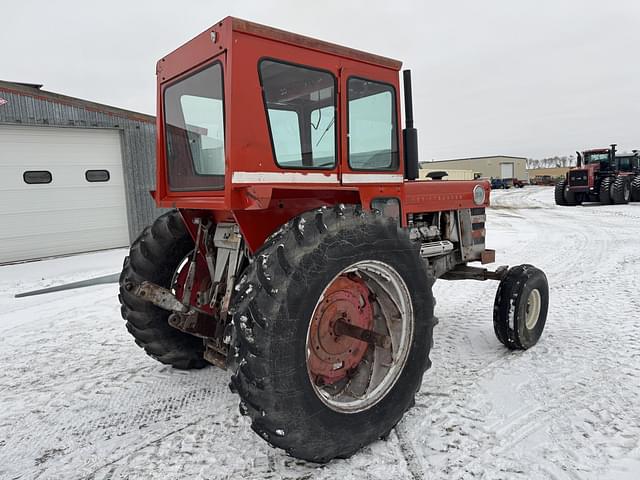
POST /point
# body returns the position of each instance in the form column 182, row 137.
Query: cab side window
column 373, row 138
column 300, row 105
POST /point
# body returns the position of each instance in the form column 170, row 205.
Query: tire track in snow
column 547, row 373
column 464, row 348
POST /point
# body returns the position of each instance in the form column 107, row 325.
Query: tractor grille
column 472, row 233
column 578, row 178
column 478, row 218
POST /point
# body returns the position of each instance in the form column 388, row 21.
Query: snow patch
column 90, row 404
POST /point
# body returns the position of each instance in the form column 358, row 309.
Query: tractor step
column 466, row 272
column 216, row 353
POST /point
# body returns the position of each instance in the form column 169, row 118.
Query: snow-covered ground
column 78, row 399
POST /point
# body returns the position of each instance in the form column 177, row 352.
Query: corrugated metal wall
column 30, row 106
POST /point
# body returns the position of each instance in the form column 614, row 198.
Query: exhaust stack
column 409, row 134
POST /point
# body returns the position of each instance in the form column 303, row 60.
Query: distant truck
column 602, row 175
column 543, row 180
column 506, row 183
column 503, row 183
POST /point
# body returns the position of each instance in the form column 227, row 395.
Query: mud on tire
column 273, row 310
column 154, row 257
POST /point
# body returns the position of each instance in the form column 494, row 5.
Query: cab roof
column 258, row 30
column 218, row 38
column 596, row 150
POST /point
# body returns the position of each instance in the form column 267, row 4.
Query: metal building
column 74, row 175
column 496, row 166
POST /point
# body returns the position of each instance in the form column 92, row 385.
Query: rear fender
column 285, row 204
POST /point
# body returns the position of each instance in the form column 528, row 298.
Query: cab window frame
column 336, row 145
column 396, row 165
column 196, row 174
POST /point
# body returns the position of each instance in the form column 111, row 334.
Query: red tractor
column 602, row 176
column 301, row 249
column 630, row 162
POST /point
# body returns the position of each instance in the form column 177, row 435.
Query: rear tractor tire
column 605, row 191
column 310, row 388
column 635, row 189
column 621, row 190
column 520, row 308
column 155, row 257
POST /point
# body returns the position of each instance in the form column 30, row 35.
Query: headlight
column 478, row 195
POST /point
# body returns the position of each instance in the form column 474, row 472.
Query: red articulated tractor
column 602, row 175
column 301, row 249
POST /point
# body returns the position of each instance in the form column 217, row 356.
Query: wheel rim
column 534, row 303
column 179, row 275
column 201, row 283
column 347, row 374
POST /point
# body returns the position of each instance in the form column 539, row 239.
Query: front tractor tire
column 310, row 388
column 155, row 257
column 559, row 193
column 566, row 197
column 520, row 308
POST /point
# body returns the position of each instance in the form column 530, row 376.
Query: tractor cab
column 628, row 162
column 259, row 125
column 610, row 160
column 591, row 164
column 252, row 119
column 602, row 158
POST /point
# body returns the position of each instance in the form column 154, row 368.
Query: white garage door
column 506, row 170
column 61, row 191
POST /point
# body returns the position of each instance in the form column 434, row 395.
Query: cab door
column 371, row 145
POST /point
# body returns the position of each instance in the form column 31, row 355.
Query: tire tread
column 288, row 247
column 153, row 257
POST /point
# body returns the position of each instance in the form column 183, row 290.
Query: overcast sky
column 531, row 78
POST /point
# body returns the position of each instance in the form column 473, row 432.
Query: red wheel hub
column 332, row 356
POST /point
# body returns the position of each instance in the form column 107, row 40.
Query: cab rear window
column 194, row 129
